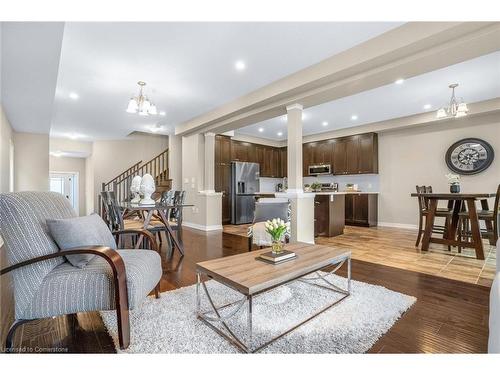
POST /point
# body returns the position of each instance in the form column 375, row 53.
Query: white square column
column 294, row 151
column 209, row 163
column 302, row 204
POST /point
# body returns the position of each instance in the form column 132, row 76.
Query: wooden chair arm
column 141, row 233
column 110, row 255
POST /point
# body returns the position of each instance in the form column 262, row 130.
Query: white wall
column 6, row 137
column 31, row 162
column 110, row 158
column 75, row 165
column 415, row 156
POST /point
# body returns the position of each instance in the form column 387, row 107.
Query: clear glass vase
column 277, row 246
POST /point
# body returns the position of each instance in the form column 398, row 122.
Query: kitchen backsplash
column 268, row 184
column 366, row 182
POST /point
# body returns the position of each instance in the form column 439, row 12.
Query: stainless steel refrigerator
column 244, row 185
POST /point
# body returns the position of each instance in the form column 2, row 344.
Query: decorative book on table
column 277, row 258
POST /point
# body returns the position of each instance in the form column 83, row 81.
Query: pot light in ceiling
column 73, row 95
column 141, row 104
column 280, row 134
column 261, row 130
column 324, row 123
column 399, row 81
column 156, row 128
column 162, row 113
column 74, row 136
column 456, row 108
column 57, row 154
column 427, row 106
column 240, row 65
column 354, row 117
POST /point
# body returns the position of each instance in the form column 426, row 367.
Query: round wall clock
column 469, row 156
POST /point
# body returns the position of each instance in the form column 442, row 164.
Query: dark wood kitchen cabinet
column 271, row 166
column 352, row 155
column 329, row 213
column 356, row 154
column 240, row 151
column 368, row 153
column 339, row 156
column 361, row 209
column 283, row 161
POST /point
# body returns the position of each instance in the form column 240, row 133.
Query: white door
column 67, row 185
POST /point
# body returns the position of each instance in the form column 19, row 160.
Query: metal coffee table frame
column 246, row 346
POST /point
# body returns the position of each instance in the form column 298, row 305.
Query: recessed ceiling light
column 399, row 81
column 73, row 95
column 74, row 136
column 354, row 117
column 240, row 65
column 163, row 113
column 324, row 123
column 155, row 128
column 261, row 130
column 428, row 106
column 57, row 154
column 280, row 134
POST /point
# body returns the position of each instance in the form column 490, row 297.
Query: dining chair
column 46, row 284
column 423, row 211
column 267, row 209
column 489, row 217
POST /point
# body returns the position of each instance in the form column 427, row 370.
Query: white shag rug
column 169, row 324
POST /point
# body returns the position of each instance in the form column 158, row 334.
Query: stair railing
column 156, row 167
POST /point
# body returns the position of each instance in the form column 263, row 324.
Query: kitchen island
column 335, row 209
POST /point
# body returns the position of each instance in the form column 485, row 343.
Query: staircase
column 156, row 167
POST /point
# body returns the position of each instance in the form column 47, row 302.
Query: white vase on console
column 135, row 187
column 147, row 188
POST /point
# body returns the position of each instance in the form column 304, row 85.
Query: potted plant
column 277, row 229
column 307, row 188
column 316, row 186
column 454, row 181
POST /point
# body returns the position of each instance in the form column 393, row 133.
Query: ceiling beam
column 407, row 51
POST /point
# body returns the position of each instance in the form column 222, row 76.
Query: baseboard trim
column 205, row 228
column 397, row 225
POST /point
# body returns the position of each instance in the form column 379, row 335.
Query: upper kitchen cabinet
column 239, row 151
column 356, row 154
column 368, row 153
column 283, row 162
column 339, row 156
column 222, row 149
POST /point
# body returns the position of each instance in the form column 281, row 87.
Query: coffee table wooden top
column 249, row 276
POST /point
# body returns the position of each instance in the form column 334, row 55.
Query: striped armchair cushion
column 68, row 289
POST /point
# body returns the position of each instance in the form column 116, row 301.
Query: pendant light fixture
column 455, row 108
column 141, row 104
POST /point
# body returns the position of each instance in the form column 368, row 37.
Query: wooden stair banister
column 156, row 167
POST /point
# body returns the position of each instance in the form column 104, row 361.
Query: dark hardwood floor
column 449, row 316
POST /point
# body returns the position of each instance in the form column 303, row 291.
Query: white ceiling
column 30, row 58
column 479, row 79
column 188, row 67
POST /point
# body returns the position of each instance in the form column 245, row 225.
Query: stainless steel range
column 244, row 185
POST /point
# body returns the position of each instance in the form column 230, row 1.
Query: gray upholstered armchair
column 267, row 209
column 46, row 284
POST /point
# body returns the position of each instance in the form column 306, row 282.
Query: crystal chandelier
column 141, row 104
column 455, row 108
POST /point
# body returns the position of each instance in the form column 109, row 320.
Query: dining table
column 450, row 236
column 148, row 210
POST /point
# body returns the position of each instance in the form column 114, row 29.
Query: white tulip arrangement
column 453, row 179
column 277, row 228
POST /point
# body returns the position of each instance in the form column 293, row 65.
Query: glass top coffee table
column 251, row 277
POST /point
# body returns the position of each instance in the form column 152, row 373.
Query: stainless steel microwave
column 320, row 169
